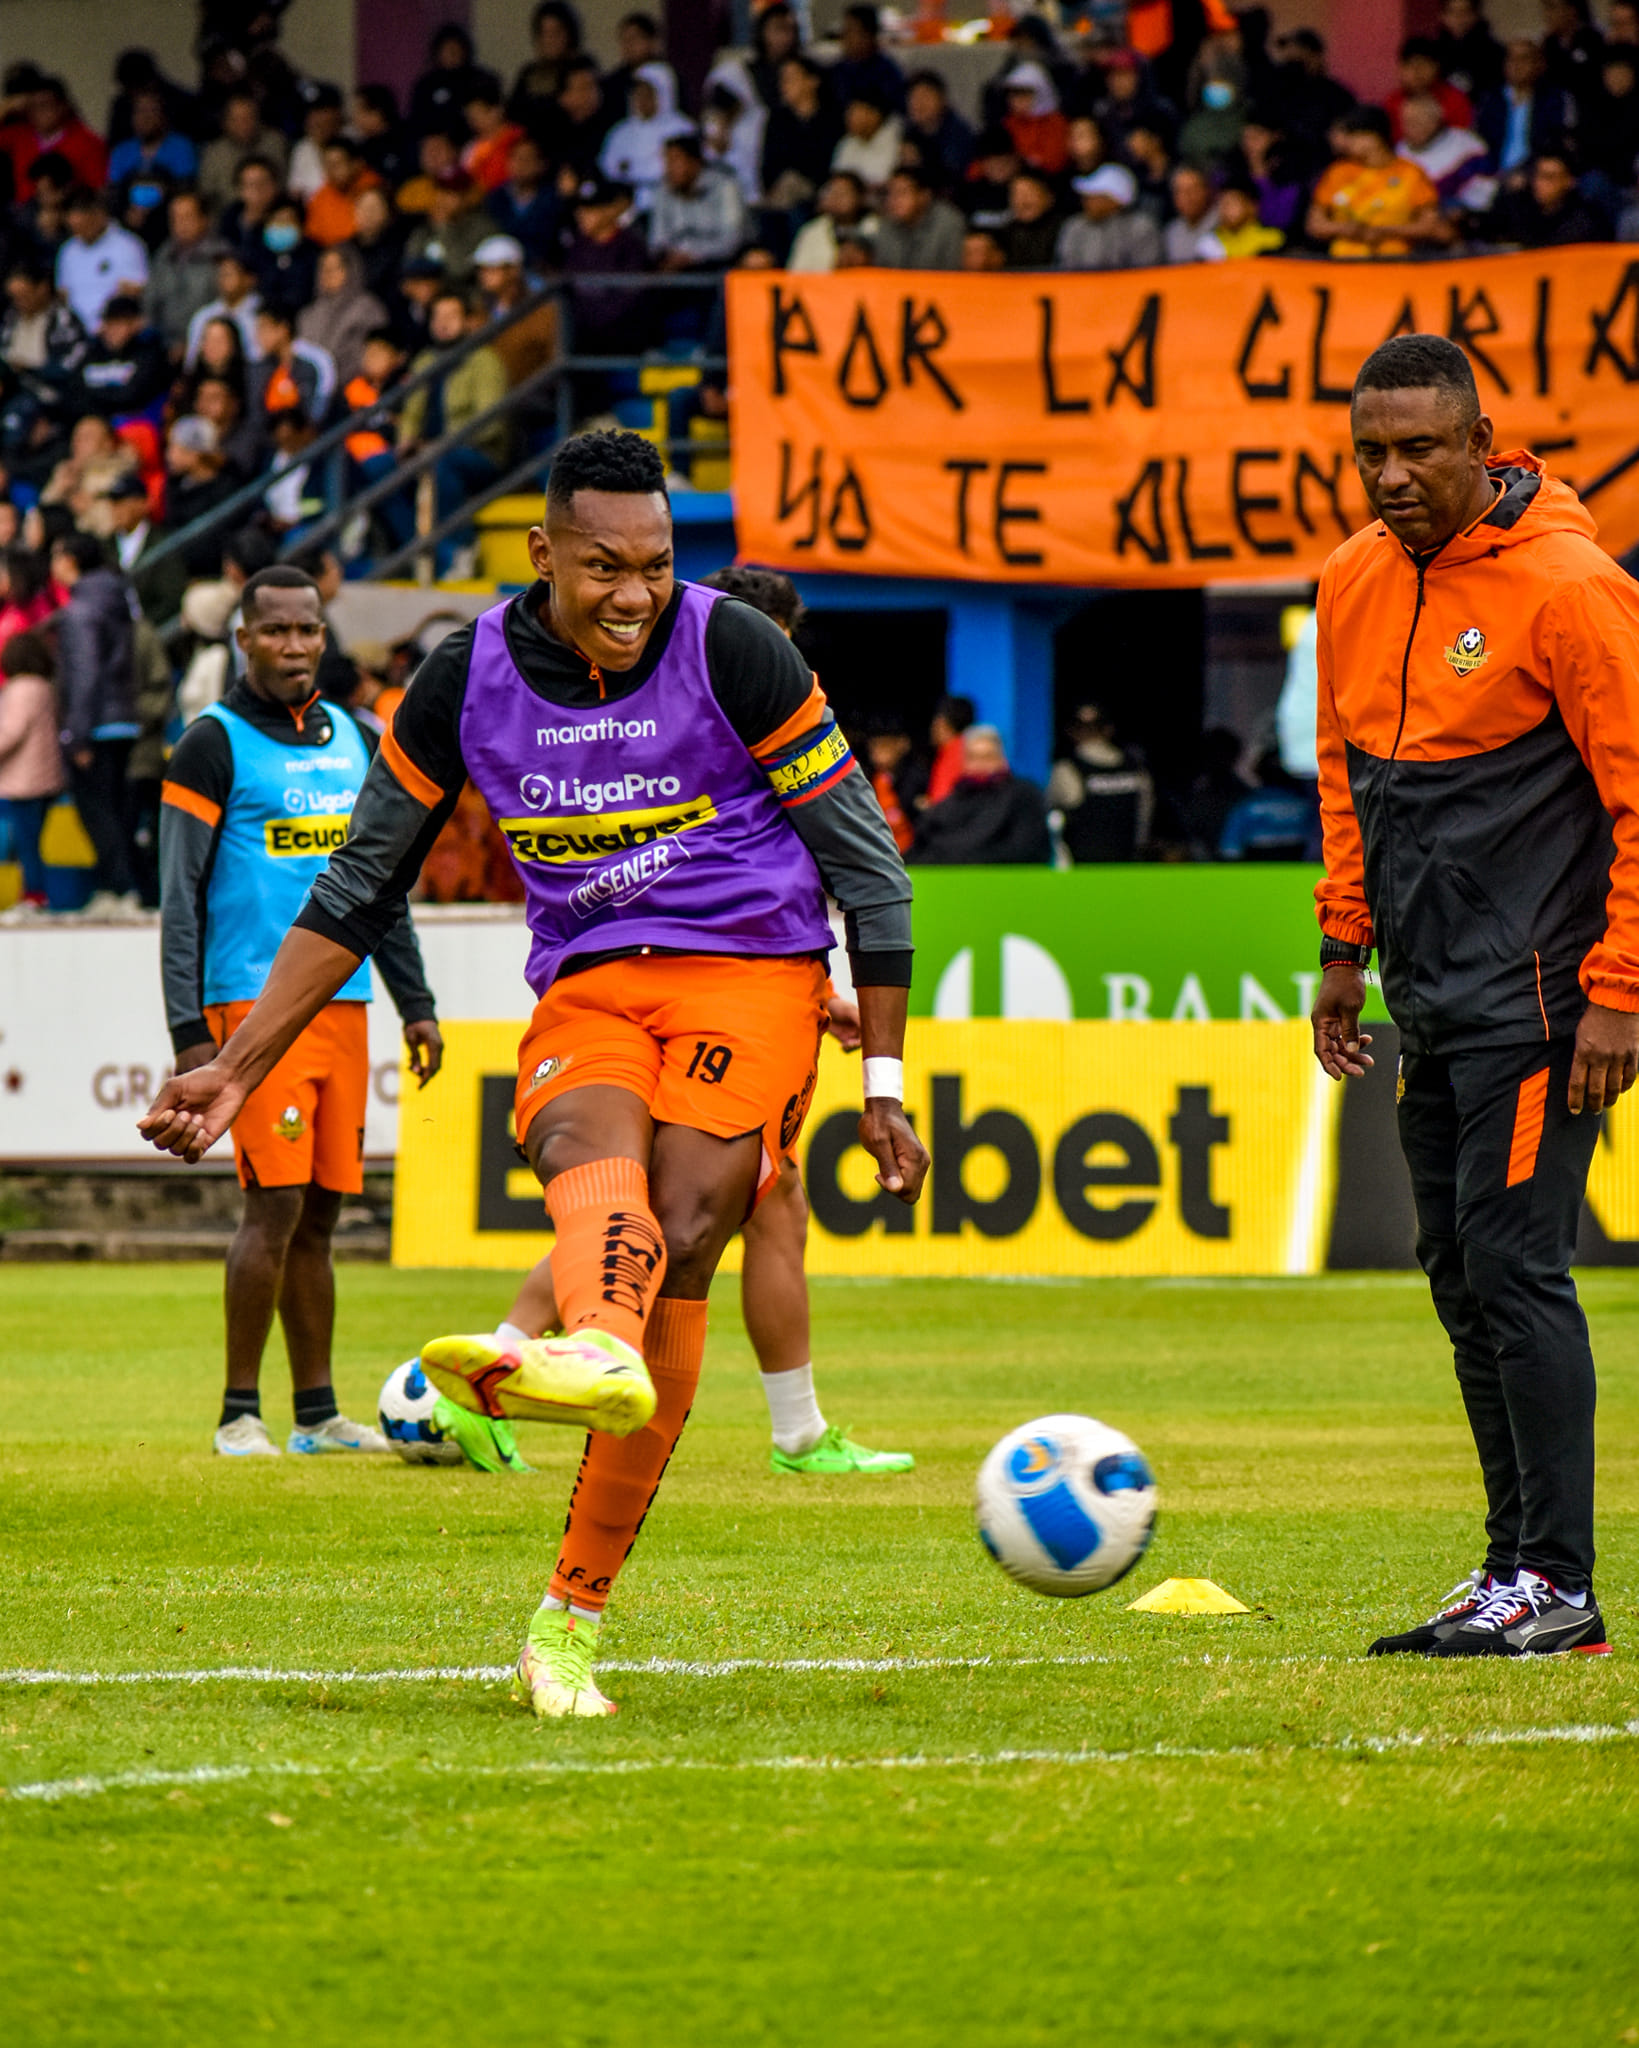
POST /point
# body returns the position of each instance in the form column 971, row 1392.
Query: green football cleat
column 590, row 1380
column 556, row 1667
column 489, row 1445
column 835, row 1452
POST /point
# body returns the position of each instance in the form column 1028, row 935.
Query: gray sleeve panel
column 859, row 864
column 185, row 847
column 399, row 959
column 359, row 897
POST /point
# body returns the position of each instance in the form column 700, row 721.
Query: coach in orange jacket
column 1479, row 778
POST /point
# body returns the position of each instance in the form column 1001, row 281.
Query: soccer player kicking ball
column 678, row 798
column 1479, row 775
column 255, row 796
column 773, row 1283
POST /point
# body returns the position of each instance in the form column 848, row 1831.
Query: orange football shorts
column 723, row 1045
column 306, row 1121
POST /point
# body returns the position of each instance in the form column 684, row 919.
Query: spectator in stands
column 136, row 71
column 1211, row 134
column 732, row 125
column 182, row 271
column 43, row 218
column 236, row 306
column 438, row 157
column 85, row 475
column 991, row 818
column 1470, row 57
column 51, row 127
column 1572, row 49
column 1215, row 789
column 1304, row 98
column 864, row 70
column 898, row 778
column 576, row 133
column 220, row 401
column 96, row 684
column 99, row 259
column 1194, row 215
column 42, row 345
column 803, row 131
column 419, row 284
column 633, row 151
column 378, row 133
column 197, row 481
column 153, row 146
column 1085, row 146
column 639, row 42
column 843, row 209
column 476, row 384
column 332, row 212
column 1103, row 791
column 293, row 499
column 1549, row 213
column 25, row 594
column 1130, row 101
column 485, row 158
column 531, row 342
column 1608, row 136
column 1029, row 237
column 699, row 217
column 1372, row 202
column 454, row 225
column 608, row 319
column 1237, row 232
column 872, row 137
column 290, row 375
column 126, row 369
column 1039, row 130
column 933, row 124
column 378, row 238
column 533, row 100
column 1420, row 79
column 1526, row 115
column 343, row 311
column 135, row 534
column 776, row 37
column 256, row 192
column 526, row 206
column 287, row 261
column 243, row 136
column 442, row 90
column 1276, row 175
column 1110, row 232
column 988, row 189
column 919, row 230
column 31, row 758
column 1449, row 158
column 982, row 250
column 370, row 449
column 951, row 718
column 322, row 119
column 1274, row 822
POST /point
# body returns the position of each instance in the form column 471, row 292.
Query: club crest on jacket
column 1467, row 651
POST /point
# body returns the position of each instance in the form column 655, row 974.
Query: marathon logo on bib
column 305, row 838
column 558, row 842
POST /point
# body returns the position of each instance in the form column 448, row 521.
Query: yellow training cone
column 1187, row 1596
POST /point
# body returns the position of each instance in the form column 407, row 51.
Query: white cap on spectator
column 495, row 249
column 1109, row 181
column 196, row 434
column 1034, row 79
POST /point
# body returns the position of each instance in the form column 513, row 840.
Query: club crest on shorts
column 547, row 1071
column 1399, row 1082
column 291, row 1124
column 1467, row 651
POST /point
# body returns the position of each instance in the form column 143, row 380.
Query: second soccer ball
column 1065, row 1505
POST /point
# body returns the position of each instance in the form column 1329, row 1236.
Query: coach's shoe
column 589, row 1380
column 338, row 1434
column 836, row 1452
column 556, row 1667
column 1465, row 1599
column 244, row 1437
column 1528, row 1619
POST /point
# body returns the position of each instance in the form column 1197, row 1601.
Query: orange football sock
column 619, row 1476
column 610, row 1257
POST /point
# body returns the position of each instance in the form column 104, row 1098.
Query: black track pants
column 1499, row 1167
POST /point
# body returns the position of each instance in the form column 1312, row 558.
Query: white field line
column 491, row 1674
column 51, row 1791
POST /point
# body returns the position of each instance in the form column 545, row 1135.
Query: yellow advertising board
column 1058, row 1148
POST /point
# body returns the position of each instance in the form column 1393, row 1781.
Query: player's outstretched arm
column 884, row 1129
column 193, row 1110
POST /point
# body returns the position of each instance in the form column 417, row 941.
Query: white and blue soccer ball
column 1065, row 1505
column 406, row 1408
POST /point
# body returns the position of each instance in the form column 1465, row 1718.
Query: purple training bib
column 641, row 823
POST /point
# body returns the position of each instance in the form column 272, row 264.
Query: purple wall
column 390, row 38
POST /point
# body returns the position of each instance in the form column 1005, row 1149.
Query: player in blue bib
column 257, row 795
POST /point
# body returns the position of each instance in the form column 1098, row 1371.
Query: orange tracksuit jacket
column 1478, row 731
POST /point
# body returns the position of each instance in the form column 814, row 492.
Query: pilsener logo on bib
column 557, row 842
column 304, row 838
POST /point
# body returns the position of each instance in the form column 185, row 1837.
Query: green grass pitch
column 1015, row 1820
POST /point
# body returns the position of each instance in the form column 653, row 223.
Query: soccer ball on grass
column 1065, row 1505
column 407, row 1403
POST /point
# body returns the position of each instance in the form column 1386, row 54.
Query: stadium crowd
column 224, row 270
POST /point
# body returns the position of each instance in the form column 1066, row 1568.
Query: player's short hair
column 1422, row 362
column 614, row 461
column 766, row 590
column 280, row 576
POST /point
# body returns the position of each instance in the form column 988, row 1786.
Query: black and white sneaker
column 1528, row 1619
column 1465, row 1599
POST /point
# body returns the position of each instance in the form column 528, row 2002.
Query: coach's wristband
column 884, row 1077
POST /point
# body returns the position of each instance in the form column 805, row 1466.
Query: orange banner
column 1149, row 427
